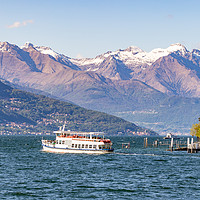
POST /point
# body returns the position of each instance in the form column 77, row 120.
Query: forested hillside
column 27, row 112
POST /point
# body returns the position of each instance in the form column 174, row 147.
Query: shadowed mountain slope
column 46, row 114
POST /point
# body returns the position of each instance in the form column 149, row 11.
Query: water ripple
column 135, row 173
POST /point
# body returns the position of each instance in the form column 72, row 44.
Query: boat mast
column 63, row 129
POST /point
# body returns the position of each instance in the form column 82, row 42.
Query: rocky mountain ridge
column 124, row 81
column 167, row 70
column 133, row 56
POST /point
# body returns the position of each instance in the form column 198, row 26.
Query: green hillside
column 26, row 112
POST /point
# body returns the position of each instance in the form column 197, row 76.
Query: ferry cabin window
column 63, row 142
column 90, row 146
column 100, row 147
column 60, row 141
column 72, row 145
column 94, row 146
column 56, row 141
column 86, row 146
column 82, row 145
column 75, row 145
column 79, row 146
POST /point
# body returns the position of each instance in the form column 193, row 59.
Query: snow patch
column 46, row 50
column 135, row 55
column 43, row 50
column 87, row 61
column 5, row 46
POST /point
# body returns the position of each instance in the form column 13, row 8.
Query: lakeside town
column 13, row 128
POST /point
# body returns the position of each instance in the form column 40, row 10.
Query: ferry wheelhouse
column 78, row 142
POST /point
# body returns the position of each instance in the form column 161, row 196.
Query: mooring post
column 177, row 144
column 196, row 147
column 156, row 143
column 192, row 143
column 145, row 143
column 172, row 143
column 188, row 142
column 188, row 145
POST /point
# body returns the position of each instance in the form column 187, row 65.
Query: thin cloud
column 20, row 24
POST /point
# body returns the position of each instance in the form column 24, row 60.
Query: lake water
column 136, row 173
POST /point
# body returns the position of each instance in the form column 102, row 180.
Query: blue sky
column 90, row 27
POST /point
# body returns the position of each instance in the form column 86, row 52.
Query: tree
column 195, row 130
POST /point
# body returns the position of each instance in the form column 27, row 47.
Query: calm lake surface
column 136, row 173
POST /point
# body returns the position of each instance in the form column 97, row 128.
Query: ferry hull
column 62, row 150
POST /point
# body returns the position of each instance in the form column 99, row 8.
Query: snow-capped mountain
column 48, row 51
column 135, row 56
column 173, row 70
column 123, row 80
column 132, row 56
column 128, row 63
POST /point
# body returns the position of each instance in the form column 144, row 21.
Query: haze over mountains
column 23, row 112
column 159, row 89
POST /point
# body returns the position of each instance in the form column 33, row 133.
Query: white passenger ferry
column 78, row 142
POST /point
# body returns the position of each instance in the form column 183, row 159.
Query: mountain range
column 157, row 89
